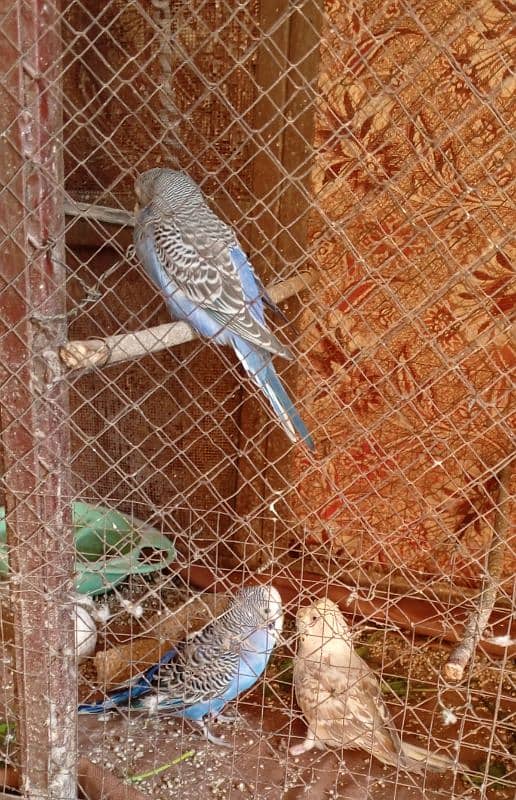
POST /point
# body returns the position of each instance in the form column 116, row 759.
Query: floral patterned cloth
column 408, row 340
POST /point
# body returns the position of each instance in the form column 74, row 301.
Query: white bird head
column 320, row 624
column 262, row 603
column 270, row 606
column 167, row 190
column 274, row 610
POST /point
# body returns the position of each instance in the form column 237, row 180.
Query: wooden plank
column 268, row 124
column 292, row 242
column 287, row 74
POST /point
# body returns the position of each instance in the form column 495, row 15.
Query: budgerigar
column 210, row 667
column 195, row 259
column 340, row 695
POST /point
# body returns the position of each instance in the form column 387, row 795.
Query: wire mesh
column 362, row 153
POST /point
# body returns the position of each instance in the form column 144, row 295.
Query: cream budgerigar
column 340, row 695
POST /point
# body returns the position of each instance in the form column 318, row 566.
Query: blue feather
column 252, row 292
column 258, row 364
column 127, row 695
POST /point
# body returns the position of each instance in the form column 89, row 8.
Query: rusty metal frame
column 34, row 401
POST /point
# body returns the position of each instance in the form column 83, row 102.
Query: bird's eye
column 267, row 611
column 314, row 617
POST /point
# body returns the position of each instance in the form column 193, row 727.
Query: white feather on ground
column 85, row 633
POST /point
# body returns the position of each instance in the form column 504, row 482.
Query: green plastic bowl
column 109, row 547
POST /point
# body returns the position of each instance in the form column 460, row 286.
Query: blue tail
column 127, row 694
column 259, row 366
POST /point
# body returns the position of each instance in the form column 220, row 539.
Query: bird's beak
column 302, row 626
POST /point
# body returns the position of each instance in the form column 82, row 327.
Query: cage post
column 34, row 400
column 287, row 68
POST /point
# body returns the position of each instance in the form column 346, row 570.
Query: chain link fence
column 362, row 152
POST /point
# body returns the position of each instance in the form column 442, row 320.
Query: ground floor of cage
column 170, row 761
column 167, row 758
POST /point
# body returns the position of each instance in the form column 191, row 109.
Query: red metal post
column 33, row 397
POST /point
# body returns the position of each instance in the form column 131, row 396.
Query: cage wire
column 362, row 153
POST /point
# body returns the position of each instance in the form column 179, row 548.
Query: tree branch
column 113, row 216
column 476, row 624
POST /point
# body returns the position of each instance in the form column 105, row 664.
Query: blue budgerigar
column 210, row 667
column 195, row 259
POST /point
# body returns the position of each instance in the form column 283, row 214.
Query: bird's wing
column 269, row 302
column 248, row 281
column 211, row 273
column 254, row 291
column 356, row 697
column 202, row 671
column 348, row 707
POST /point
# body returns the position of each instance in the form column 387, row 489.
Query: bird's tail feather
column 259, row 367
column 128, row 695
column 427, row 759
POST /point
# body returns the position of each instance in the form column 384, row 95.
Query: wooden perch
column 123, row 347
column 476, row 624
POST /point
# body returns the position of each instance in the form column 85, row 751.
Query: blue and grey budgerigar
column 195, row 259
column 212, row 666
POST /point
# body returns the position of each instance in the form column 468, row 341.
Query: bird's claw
column 303, row 747
column 212, row 738
column 229, row 718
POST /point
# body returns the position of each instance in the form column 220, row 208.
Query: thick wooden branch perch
column 477, row 622
column 88, row 353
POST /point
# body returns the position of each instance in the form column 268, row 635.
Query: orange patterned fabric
column 409, row 346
